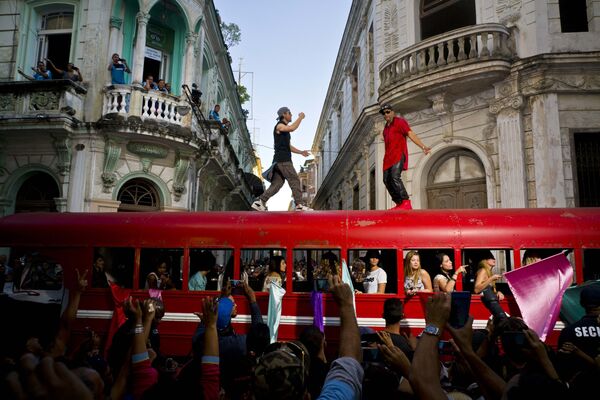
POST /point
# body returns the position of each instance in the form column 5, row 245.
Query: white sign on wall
column 153, row 54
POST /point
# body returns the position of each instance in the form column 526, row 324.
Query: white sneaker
column 259, row 205
column 302, row 207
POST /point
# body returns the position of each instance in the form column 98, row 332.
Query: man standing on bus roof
column 395, row 159
column 282, row 168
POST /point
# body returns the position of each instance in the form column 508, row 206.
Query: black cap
column 590, row 296
column 373, row 254
column 384, row 107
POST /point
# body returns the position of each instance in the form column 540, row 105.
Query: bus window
column 314, row 266
column 591, row 264
column 115, row 263
column 430, row 261
column 498, row 261
column 206, row 264
column 33, row 270
column 255, row 266
column 161, row 269
column 529, row 256
column 359, row 265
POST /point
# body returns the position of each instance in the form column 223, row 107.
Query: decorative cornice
column 142, row 18
column 112, row 152
column 514, row 103
column 62, row 146
column 116, row 22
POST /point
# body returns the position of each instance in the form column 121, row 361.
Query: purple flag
column 538, row 289
column 316, row 299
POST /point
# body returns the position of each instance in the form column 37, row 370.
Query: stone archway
column 139, row 195
column 457, row 179
column 37, row 194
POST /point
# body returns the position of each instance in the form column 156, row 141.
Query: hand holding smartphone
column 459, row 309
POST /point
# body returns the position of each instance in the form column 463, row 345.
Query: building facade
column 505, row 92
column 99, row 146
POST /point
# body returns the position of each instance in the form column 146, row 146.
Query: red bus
column 133, row 244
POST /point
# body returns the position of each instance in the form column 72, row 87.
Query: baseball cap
column 590, row 295
column 384, row 107
column 281, row 371
column 373, row 254
column 282, row 111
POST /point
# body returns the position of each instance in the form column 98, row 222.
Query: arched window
column 54, row 35
column 457, row 180
column 37, row 194
column 139, row 195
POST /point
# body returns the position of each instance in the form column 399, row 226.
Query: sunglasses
column 387, row 112
column 291, row 348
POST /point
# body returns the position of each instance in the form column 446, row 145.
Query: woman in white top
column 445, row 281
column 376, row 278
column 276, row 273
column 416, row 279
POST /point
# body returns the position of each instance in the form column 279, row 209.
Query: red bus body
column 71, row 239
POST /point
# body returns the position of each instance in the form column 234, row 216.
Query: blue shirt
column 117, row 73
column 197, row 282
column 40, row 77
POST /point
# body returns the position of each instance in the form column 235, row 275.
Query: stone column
column 547, row 151
column 140, row 47
column 190, row 40
column 77, row 186
column 115, row 30
column 513, row 184
column 593, row 13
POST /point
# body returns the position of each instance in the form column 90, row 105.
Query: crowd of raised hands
column 223, row 364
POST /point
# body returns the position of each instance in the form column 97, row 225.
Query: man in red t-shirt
column 395, row 159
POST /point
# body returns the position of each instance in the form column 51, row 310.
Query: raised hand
column 82, row 282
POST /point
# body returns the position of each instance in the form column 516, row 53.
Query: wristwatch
column 432, row 330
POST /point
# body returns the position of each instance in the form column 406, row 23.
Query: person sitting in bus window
column 204, row 263
column 159, row 278
column 445, row 281
column 530, row 257
column 276, row 273
column 98, row 274
column 358, row 270
column 376, row 278
column 485, row 277
column 416, row 279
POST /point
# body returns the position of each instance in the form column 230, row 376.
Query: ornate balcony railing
column 443, row 53
column 40, row 100
column 126, row 101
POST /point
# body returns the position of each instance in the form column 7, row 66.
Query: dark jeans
column 284, row 171
column 393, row 182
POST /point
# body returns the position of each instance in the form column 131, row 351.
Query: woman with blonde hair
column 416, row 279
column 485, row 277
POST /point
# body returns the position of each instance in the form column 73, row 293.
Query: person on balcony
column 117, row 69
column 40, row 73
column 149, row 83
column 214, row 115
column 162, row 86
column 282, row 168
column 71, row 73
column 395, row 159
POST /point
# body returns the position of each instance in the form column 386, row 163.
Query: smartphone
column 445, row 347
column 321, row 285
column 370, row 338
column 235, row 282
column 370, row 354
column 459, row 310
column 514, row 339
column 237, row 287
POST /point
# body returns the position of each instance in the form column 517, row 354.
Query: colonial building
column 99, row 146
column 505, row 92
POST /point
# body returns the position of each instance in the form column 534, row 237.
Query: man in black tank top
column 282, row 168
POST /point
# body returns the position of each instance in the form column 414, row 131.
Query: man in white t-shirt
column 376, row 278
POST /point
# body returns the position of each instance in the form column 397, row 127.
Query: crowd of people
column 506, row 360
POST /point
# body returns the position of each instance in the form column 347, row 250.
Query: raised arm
column 70, row 314
column 349, row 333
column 425, row 369
column 416, row 140
column 60, row 71
column 292, row 127
column 305, row 153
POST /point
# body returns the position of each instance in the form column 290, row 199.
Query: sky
column 288, row 50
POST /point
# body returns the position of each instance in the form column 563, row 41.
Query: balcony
column 56, row 101
column 130, row 101
column 459, row 62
